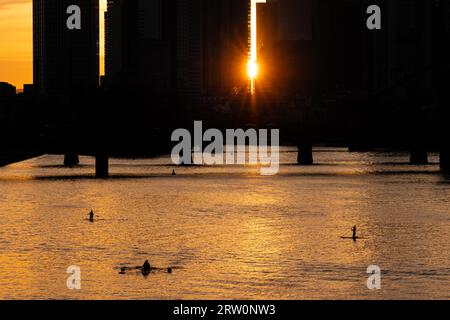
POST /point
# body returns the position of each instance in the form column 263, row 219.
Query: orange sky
column 16, row 41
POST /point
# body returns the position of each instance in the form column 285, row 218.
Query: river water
column 228, row 232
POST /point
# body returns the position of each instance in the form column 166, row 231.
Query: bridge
column 307, row 124
column 347, row 120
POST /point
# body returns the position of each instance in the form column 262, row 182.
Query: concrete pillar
column 359, row 145
column 101, row 166
column 305, row 155
column 71, row 159
column 441, row 51
column 445, row 160
column 419, row 156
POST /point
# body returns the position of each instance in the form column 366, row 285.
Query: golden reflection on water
column 228, row 232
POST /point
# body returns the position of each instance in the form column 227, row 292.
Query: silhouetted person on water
column 354, row 233
column 146, row 267
column 91, row 216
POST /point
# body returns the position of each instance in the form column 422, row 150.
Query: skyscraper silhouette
column 211, row 45
column 65, row 61
column 137, row 44
column 186, row 47
column 225, row 52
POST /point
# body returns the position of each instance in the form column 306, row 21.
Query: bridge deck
column 13, row 156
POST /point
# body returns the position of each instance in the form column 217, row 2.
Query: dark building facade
column 374, row 60
column 294, row 43
column 65, row 60
column 186, row 47
column 138, row 48
column 226, row 45
column 211, row 46
column 317, row 46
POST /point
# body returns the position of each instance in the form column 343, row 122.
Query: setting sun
column 252, row 69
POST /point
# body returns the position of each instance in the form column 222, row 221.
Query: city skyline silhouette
column 231, row 150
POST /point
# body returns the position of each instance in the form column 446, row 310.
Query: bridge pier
column 71, row 159
column 419, row 154
column 305, row 155
column 419, row 157
column 418, row 146
column 444, row 160
column 101, row 166
column 356, row 146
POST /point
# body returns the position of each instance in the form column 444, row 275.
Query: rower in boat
column 354, row 233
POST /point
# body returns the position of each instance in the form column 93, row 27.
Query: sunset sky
column 16, row 41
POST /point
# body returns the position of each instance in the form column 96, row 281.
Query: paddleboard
column 357, row 238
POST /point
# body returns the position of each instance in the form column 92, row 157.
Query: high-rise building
column 189, row 40
column 225, row 50
column 138, row 44
column 312, row 47
column 65, row 60
column 211, row 46
column 294, row 43
column 374, row 60
column 187, row 47
column 409, row 39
